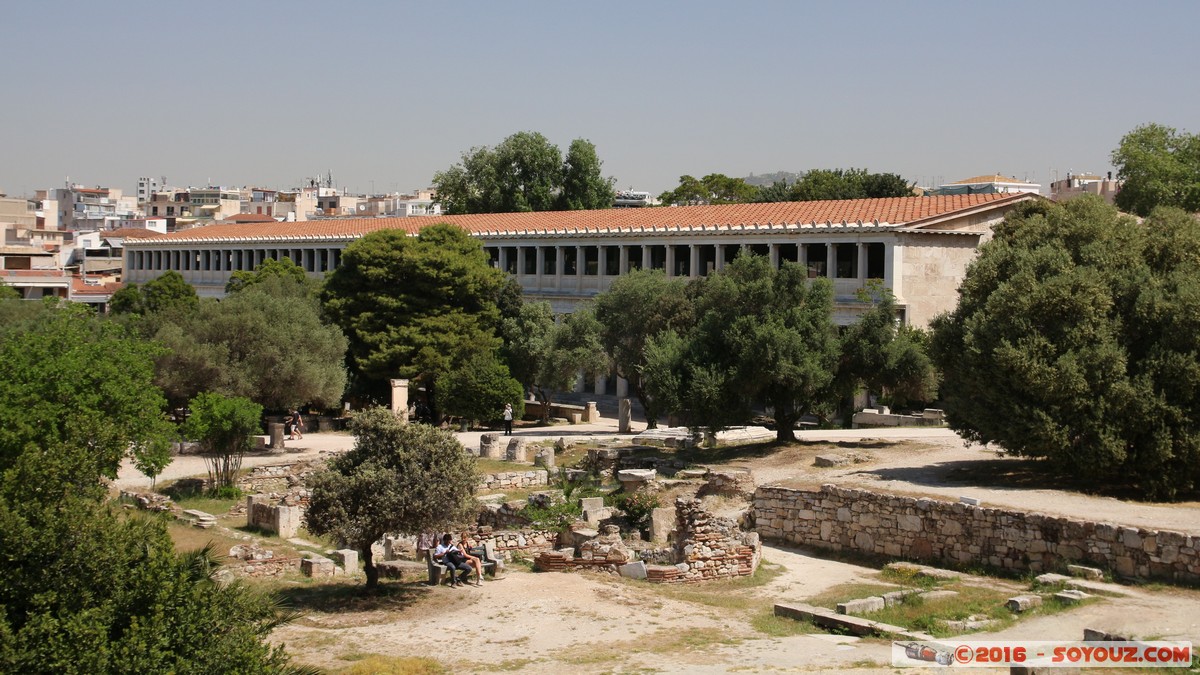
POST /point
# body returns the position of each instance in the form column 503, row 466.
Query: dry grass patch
column 375, row 664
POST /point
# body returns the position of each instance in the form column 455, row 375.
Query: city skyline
column 383, row 96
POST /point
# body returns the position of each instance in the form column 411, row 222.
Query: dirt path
column 936, row 462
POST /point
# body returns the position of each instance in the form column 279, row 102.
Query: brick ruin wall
column 712, row 548
column 844, row 519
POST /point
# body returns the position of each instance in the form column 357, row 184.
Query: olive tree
column 223, row 426
column 399, row 477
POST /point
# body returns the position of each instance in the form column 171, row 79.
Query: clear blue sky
column 387, row 93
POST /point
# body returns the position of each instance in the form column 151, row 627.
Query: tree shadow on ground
column 1010, row 473
column 354, row 597
column 729, row 453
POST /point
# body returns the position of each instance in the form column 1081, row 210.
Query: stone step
column 854, row 625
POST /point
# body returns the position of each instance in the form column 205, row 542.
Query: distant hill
column 765, row 179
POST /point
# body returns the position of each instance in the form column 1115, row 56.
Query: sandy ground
column 544, row 623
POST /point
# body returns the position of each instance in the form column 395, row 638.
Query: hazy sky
column 383, row 94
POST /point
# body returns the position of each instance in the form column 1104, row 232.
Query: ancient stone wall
column 282, row 482
column 712, row 547
column 960, row 534
column 525, row 543
column 513, row 480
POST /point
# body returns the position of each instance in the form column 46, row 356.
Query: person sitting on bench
column 474, row 556
column 448, row 554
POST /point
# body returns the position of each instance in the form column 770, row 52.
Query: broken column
column 400, row 399
column 624, row 416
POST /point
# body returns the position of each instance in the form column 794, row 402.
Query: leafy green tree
column 169, row 293
column 270, row 269
column 583, row 187
column 266, row 342
column 224, row 427
column 86, row 589
column 8, row 292
column 73, row 381
column 1160, row 167
column 884, row 357
column 1075, row 340
column 413, row 307
column 478, row 389
column 635, row 308
column 848, row 184
column 550, row 354
column 770, row 334
column 690, row 191
column 778, row 191
column 715, row 188
column 525, row 172
column 406, row 478
column 127, row 300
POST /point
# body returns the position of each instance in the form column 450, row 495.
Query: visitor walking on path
column 297, row 426
column 508, row 417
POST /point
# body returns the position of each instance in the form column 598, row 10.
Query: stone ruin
column 705, row 548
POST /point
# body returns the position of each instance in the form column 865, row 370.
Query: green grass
column 765, row 622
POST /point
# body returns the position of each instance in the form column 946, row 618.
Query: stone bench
column 491, row 564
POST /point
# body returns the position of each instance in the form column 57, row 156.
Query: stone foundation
column 961, row 534
column 282, row 520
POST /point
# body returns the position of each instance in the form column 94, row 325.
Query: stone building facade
column 917, row 246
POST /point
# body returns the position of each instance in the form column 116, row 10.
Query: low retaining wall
column 527, row 543
column 712, row 548
column 947, row 532
column 513, row 480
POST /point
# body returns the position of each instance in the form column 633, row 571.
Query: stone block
column 861, row 606
column 1084, row 572
column 347, row 558
column 897, row 597
column 662, row 523
column 1023, row 603
column 1071, row 597
column 591, row 503
column 938, row 595
column 1050, row 578
column 317, row 566
column 633, row 570
column 1094, row 635
column 909, row 523
column 575, row 417
column 591, row 413
column 969, row 501
column 830, row 460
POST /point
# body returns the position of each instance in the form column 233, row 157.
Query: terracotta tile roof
column 881, row 212
column 249, row 218
column 993, row 178
column 79, row 287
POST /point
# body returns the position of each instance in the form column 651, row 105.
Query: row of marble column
column 846, row 260
column 316, row 260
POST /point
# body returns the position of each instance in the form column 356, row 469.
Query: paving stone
column 633, row 570
column 841, row 622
